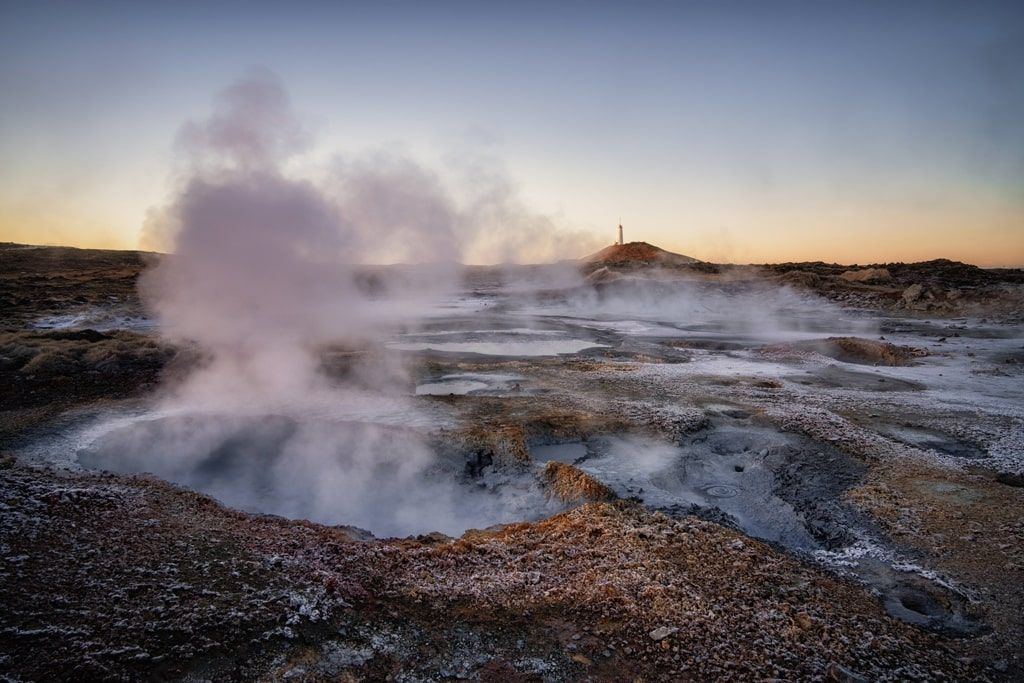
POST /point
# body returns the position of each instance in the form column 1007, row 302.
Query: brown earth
column 167, row 583
column 45, row 372
column 637, row 253
column 572, row 485
column 38, row 281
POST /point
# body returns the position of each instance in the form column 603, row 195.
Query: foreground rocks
column 119, row 578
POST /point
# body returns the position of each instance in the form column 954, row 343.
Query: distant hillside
column 938, row 271
column 637, row 254
column 29, row 258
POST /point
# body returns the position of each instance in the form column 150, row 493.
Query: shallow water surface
column 531, row 347
column 568, row 453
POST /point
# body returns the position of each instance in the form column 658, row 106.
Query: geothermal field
column 245, row 461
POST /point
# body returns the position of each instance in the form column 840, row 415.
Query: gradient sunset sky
column 729, row 131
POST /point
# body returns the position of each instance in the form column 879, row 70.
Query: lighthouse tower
column 620, row 234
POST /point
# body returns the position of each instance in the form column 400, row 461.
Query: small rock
column 580, row 659
column 662, row 632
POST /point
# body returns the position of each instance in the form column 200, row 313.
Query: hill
column 638, row 254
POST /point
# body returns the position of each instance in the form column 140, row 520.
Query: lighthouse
column 620, row 234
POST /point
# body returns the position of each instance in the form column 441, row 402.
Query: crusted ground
column 168, row 583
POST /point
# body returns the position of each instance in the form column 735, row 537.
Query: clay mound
column 638, row 253
column 850, row 350
column 869, row 351
column 572, row 485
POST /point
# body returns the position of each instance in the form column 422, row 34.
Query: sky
column 852, row 132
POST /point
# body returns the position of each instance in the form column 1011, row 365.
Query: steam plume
column 265, row 270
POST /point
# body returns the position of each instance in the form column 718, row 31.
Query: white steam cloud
column 268, row 270
column 265, row 270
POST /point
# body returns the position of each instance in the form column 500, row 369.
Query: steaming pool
column 388, row 480
column 379, row 478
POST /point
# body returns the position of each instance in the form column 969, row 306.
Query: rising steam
column 265, row 270
column 268, row 270
column 266, row 266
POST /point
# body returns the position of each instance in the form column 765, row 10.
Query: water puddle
column 462, row 384
column 517, row 348
column 932, row 440
column 99, row 319
column 450, row 385
column 568, row 453
column 730, row 469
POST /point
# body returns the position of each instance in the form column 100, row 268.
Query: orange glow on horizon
column 996, row 239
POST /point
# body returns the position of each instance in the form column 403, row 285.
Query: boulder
column 866, row 275
column 912, row 293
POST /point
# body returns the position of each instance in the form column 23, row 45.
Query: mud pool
column 380, row 479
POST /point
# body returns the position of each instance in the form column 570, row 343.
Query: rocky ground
column 117, row 576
